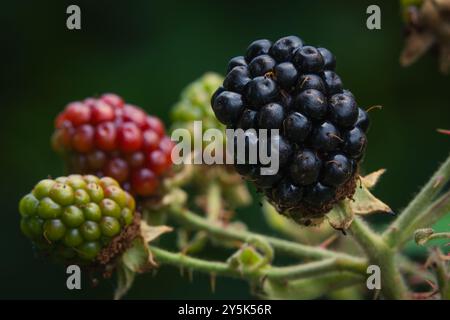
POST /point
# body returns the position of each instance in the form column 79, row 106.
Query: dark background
column 147, row 51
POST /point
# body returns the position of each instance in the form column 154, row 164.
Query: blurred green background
column 147, row 51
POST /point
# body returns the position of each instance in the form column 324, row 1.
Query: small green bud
column 131, row 203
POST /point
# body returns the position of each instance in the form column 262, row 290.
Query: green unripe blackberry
column 75, row 217
column 194, row 104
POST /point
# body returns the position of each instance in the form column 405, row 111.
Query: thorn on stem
column 327, row 242
column 374, row 107
column 438, row 182
column 181, row 271
column 212, row 282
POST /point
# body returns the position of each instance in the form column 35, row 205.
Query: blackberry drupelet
column 293, row 87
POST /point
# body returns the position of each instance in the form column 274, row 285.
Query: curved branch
column 221, row 268
column 290, row 248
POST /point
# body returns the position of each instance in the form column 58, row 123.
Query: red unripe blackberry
column 106, row 137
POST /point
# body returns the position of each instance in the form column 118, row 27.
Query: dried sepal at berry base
column 293, row 87
column 138, row 258
column 106, row 136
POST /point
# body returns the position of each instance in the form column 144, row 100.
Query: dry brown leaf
column 150, row 233
column 364, row 202
column 370, row 180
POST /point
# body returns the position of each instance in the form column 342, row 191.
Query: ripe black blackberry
column 293, row 87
